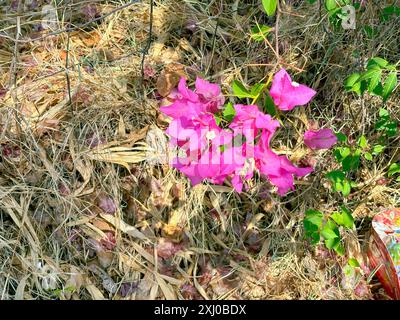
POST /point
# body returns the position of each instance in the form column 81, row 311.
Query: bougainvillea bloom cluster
column 208, row 152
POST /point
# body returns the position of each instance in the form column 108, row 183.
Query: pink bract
column 288, row 94
column 249, row 119
column 206, row 152
column 189, row 104
column 322, row 139
column 210, row 95
column 279, row 170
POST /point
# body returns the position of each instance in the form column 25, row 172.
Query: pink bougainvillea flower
column 206, row 152
column 189, row 104
column 201, row 167
column 322, row 139
column 279, row 170
column 197, row 133
column 186, row 103
column 248, row 119
column 238, row 163
column 210, row 95
column 287, row 94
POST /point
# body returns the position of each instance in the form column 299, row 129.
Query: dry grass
column 172, row 240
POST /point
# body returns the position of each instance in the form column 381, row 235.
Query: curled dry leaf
column 109, row 242
column 11, row 152
column 74, row 282
column 178, row 191
column 159, row 196
column 169, row 78
column 90, row 11
column 166, row 249
column 124, row 227
column 362, row 290
column 93, row 140
column 107, row 204
column 134, row 136
column 174, row 228
column 105, row 258
column 128, row 288
column 120, row 155
column 189, row 292
column 102, row 225
column 157, row 141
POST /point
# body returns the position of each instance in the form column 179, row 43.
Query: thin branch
column 278, row 15
column 67, row 73
column 148, row 44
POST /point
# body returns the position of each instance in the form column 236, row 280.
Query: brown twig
column 278, row 15
column 67, row 73
column 148, row 44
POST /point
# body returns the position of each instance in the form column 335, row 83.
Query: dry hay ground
column 65, row 166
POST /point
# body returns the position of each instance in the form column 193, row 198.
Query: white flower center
column 295, row 84
column 210, row 135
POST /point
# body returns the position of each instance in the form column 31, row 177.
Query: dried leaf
column 105, row 258
column 120, row 155
column 169, row 78
column 107, row 204
column 124, row 227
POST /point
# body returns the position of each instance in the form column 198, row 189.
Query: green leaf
column 312, row 1
column 217, row 119
column 368, row 156
column 257, row 89
column 384, row 123
column 374, row 81
column 354, row 263
column 339, row 182
column 370, row 31
column 393, row 169
column 312, row 223
column 388, row 11
column 229, row 112
column 258, row 33
column 314, row 217
column 383, row 113
column 391, row 67
column 239, row 90
column 346, row 188
column 332, row 243
column 377, row 62
column 391, row 128
column 343, row 218
column 341, row 137
column 328, row 233
column 348, row 220
column 378, row 149
column 362, row 142
column 330, row 5
column 342, row 153
column 352, row 84
column 339, row 249
column 270, row 6
column 370, row 73
column 390, row 84
column 337, row 217
column 269, row 105
column 378, row 90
